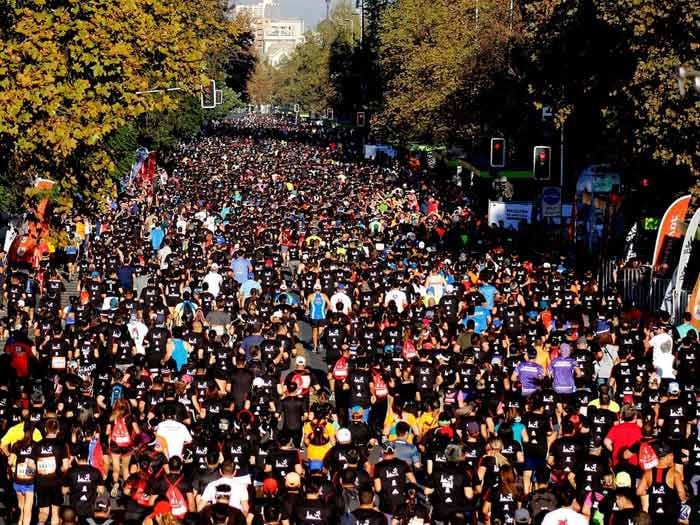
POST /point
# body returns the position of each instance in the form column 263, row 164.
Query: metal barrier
column 638, row 286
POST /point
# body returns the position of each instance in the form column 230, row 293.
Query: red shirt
column 623, row 436
column 20, row 353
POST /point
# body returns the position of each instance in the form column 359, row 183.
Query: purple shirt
column 562, row 370
column 529, row 373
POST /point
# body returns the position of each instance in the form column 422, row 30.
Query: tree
column 261, row 85
column 306, row 77
column 70, row 71
column 609, row 70
column 241, row 63
column 437, row 71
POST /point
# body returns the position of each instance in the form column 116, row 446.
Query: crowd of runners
column 277, row 333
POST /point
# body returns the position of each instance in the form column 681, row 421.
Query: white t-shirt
column 175, row 435
column 138, row 332
column 239, row 490
column 564, row 517
column 398, row 297
column 341, row 297
column 662, row 345
column 214, row 281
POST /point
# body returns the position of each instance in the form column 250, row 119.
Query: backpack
column 96, row 456
column 350, row 500
column 303, row 381
column 116, row 394
column 188, row 312
column 177, row 500
column 647, row 457
column 542, row 502
column 409, row 351
column 340, row 369
column 121, row 436
column 348, row 519
column 140, row 493
column 380, row 388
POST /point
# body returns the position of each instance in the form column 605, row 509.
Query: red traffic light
column 498, row 152
column 543, row 155
column 645, row 183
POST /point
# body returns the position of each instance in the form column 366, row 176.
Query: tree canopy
column 71, row 70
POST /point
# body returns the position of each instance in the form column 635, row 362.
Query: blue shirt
column 481, row 319
column 489, row 291
column 179, row 354
column 157, row 236
column 125, row 274
column 248, row 286
column 240, row 269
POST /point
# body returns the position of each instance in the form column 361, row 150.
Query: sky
column 312, row 11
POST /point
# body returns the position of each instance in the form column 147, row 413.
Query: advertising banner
column 510, row 215
column 694, row 305
column 670, row 230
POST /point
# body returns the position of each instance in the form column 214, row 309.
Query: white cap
column 300, row 361
column 258, row 382
column 214, row 266
column 343, row 436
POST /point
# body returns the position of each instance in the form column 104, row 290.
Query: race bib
column 122, row 440
column 25, row 471
column 46, row 466
column 58, row 362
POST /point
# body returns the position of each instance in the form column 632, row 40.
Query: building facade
column 275, row 37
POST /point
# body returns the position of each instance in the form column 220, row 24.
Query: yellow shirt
column 317, row 452
column 426, row 422
column 613, row 406
column 542, row 358
column 391, row 421
column 330, row 429
column 16, row 433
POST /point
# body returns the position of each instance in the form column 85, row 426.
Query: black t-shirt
column 369, row 517
column 282, row 462
column 567, row 451
column 392, row 473
column 177, row 480
column 314, row 512
column 49, row 455
column 213, row 514
column 293, row 409
column 241, row 381
column 537, row 426
column 360, row 394
column 449, row 480
column 675, row 415
column 82, row 482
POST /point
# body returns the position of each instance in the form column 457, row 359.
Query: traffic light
column 498, row 152
column 219, row 95
column 360, row 119
column 208, row 95
column 542, row 163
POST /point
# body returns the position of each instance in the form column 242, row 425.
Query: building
column 275, row 37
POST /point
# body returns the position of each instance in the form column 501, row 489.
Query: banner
column 685, row 257
column 631, row 243
column 671, row 229
column 509, row 214
column 694, row 305
column 136, row 167
column 148, row 169
column 551, row 201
